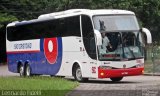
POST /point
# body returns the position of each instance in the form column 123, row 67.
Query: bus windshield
column 120, row 46
column 115, row 23
column 120, row 37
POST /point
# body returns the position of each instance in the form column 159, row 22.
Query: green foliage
column 147, row 11
column 5, row 18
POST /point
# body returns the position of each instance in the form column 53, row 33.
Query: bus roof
column 72, row 12
column 89, row 12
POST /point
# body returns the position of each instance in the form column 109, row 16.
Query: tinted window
column 88, row 36
column 72, row 25
column 69, row 26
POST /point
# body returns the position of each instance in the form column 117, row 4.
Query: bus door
column 89, row 45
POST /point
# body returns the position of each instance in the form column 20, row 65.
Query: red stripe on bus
column 14, row 52
column 108, row 73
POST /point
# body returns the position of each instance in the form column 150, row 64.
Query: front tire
column 78, row 74
column 116, row 79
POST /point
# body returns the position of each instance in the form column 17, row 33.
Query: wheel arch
column 27, row 62
column 76, row 63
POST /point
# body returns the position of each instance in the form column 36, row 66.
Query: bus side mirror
column 148, row 34
column 98, row 37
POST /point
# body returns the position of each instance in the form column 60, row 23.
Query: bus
column 69, row 43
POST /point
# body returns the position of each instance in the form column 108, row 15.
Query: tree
column 147, row 11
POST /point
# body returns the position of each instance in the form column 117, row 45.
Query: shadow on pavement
column 104, row 81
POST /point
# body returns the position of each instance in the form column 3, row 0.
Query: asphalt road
column 129, row 86
column 4, row 71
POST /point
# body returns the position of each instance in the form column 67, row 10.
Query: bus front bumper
column 111, row 73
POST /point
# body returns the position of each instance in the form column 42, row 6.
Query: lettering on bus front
column 23, row 46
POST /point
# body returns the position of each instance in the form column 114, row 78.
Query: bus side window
column 64, row 27
column 88, row 36
column 73, row 26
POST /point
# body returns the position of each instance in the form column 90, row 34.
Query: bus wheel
column 116, row 79
column 21, row 70
column 27, row 71
column 78, row 75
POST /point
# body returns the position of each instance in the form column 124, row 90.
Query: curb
column 151, row 74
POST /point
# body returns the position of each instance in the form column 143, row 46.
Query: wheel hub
column 78, row 74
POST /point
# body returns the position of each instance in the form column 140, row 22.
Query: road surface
column 4, row 71
column 129, row 86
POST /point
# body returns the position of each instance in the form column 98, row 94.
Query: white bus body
column 67, row 44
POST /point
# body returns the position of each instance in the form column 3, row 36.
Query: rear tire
column 21, row 70
column 27, row 71
column 77, row 73
column 116, row 79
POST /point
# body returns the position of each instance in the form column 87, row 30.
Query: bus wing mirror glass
column 98, row 37
column 148, row 34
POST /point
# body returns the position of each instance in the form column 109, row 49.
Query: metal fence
column 152, row 62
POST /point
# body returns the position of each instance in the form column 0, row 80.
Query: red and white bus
column 68, row 43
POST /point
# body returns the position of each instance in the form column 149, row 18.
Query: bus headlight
column 105, row 67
